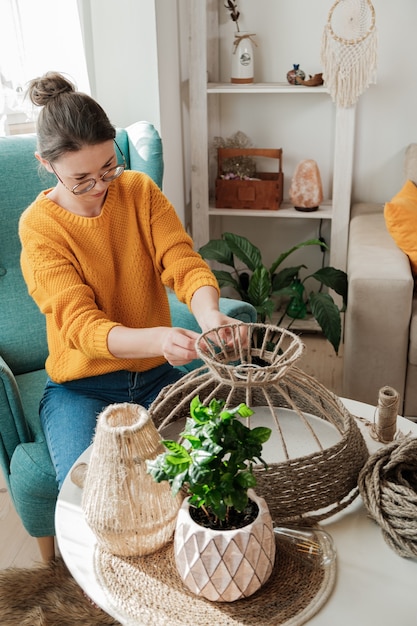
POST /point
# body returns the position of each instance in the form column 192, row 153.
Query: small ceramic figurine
column 313, row 81
column 294, row 73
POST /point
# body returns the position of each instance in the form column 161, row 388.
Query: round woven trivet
column 388, row 486
column 149, row 591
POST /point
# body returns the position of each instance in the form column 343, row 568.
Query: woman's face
column 73, row 168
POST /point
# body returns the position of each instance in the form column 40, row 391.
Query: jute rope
column 388, row 486
column 150, row 591
column 240, row 37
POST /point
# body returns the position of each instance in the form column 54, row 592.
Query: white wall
column 130, row 84
column 133, row 77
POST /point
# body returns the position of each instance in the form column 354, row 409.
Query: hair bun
column 47, row 87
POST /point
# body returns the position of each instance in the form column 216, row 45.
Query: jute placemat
column 149, row 591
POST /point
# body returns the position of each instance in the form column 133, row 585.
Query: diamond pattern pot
column 225, row 565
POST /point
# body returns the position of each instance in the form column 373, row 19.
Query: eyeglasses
column 90, row 183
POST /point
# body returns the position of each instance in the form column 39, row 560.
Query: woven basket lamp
column 130, row 514
column 316, row 450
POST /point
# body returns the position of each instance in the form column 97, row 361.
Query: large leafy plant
column 261, row 286
column 215, row 462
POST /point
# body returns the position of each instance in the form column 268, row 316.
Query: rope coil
column 388, row 486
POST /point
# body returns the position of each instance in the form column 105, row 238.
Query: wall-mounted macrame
column 349, row 50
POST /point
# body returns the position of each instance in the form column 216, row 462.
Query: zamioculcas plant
column 260, row 285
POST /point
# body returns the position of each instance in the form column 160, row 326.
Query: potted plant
column 260, row 285
column 222, row 519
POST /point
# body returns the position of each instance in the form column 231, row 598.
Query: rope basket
column 259, row 369
column 388, row 486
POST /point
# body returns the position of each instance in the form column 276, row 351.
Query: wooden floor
column 18, row 549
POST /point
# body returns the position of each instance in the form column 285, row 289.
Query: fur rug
column 46, row 595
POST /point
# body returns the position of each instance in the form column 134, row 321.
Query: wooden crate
column 266, row 193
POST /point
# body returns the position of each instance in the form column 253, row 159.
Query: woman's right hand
column 178, row 346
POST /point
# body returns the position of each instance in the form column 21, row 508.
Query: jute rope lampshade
column 130, row 514
column 316, row 449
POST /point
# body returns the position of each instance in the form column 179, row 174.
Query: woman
column 98, row 250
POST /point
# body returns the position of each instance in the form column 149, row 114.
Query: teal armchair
column 24, row 456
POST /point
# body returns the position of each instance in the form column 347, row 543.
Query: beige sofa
column 381, row 318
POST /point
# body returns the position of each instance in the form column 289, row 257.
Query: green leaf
column 259, row 289
column 199, row 474
column 265, row 311
column 217, row 250
column 261, row 434
column 244, row 410
column 225, row 279
column 201, row 456
column 335, row 279
column 246, row 480
column 178, row 482
column 284, row 255
column 174, row 446
column 244, row 250
column 194, row 441
column 239, row 499
column 328, row 316
column 285, row 278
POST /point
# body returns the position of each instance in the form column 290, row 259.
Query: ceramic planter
column 225, row 565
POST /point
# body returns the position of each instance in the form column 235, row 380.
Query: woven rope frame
column 260, row 371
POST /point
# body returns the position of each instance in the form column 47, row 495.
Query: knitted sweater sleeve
column 55, row 282
column 181, row 268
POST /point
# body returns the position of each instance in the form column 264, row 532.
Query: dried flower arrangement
column 234, row 12
column 237, row 167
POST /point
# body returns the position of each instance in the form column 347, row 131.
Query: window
column 36, row 37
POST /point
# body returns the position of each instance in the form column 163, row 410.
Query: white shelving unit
column 204, row 114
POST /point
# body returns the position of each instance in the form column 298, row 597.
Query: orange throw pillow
column 401, row 221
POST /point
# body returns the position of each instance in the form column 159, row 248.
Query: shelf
column 276, row 88
column 325, row 212
column 206, row 110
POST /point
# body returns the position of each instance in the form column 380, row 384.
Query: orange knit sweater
column 88, row 274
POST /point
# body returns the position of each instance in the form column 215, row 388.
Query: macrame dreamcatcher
column 349, row 50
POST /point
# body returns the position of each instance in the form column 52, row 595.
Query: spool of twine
column 387, row 411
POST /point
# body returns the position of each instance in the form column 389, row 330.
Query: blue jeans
column 69, row 410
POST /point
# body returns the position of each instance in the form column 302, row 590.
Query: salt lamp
column 306, row 192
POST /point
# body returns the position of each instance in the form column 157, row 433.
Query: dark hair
column 69, row 119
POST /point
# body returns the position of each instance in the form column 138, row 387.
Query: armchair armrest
column 379, row 309
column 13, row 426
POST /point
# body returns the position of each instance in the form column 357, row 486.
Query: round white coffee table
column 374, row 587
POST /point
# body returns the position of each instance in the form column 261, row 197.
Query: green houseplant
column 261, row 286
column 214, row 466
